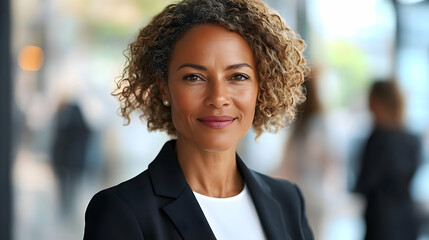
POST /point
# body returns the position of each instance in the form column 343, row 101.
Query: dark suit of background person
column 159, row 204
column 389, row 162
column 68, row 153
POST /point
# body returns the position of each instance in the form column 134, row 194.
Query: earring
column 166, row 103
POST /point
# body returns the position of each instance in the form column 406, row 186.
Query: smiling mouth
column 217, row 122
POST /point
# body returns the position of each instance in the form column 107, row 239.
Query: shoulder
column 113, row 210
column 122, row 193
column 291, row 204
column 127, row 193
column 276, row 184
column 282, row 190
column 412, row 138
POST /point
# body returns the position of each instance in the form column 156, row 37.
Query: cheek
column 183, row 105
column 246, row 101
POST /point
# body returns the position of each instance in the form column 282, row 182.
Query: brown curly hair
column 278, row 51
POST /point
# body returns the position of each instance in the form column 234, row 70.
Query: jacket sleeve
column 108, row 217
column 306, row 230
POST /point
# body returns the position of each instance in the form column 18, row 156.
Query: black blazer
column 159, row 204
column 389, row 162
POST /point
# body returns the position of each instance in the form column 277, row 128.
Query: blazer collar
column 184, row 211
column 165, row 172
column 269, row 210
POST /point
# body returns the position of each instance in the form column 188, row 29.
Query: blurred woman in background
column 390, row 159
column 308, row 159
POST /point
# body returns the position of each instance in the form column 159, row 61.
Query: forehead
column 208, row 41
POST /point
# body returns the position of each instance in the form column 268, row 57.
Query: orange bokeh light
column 31, row 58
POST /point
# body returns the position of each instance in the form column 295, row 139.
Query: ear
column 163, row 90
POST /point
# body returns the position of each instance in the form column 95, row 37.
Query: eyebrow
column 199, row 67
column 239, row 65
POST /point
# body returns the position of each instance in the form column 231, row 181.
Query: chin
column 210, row 140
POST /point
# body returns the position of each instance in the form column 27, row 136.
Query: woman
column 308, row 160
column 390, row 159
column 206, row 71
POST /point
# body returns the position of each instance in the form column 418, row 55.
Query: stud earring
column 166, row 103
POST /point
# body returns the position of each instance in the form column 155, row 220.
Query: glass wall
column 69, row 141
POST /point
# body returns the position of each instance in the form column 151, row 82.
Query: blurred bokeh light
column 31, row 58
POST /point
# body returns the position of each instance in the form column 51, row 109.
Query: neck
column 211, row 173
column 387, row 122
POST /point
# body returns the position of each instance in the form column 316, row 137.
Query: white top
column 232, row 218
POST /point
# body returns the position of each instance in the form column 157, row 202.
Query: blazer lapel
column 184, row 211
column 186, row 214
column 268, row 208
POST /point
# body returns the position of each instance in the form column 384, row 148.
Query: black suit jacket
column 159, row 204
column 389, row 162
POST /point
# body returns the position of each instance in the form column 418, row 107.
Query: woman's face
column 212, row 87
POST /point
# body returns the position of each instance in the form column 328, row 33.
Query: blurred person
column 69, row 149
column 205, row 71
column 389, row 161
column 307, row 159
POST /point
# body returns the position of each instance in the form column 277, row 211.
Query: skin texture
column 212, row 72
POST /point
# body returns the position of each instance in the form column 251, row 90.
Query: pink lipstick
column 217, row 122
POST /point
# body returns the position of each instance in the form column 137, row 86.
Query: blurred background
column 62, row 140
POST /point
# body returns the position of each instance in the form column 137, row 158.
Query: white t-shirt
column 232, row 218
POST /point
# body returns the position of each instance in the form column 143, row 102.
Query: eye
column 192, row 77
column 240, row 77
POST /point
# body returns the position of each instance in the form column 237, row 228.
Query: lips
column 217, row 122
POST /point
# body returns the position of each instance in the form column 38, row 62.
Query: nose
column 218, row 95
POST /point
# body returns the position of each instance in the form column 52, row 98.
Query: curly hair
column 278, row 51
